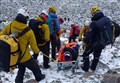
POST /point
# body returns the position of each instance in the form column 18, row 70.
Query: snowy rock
column 111, row 78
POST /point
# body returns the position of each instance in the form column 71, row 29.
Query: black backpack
column 106, row 31
column 116, row 29
column 39, row 35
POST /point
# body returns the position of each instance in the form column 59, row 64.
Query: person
column 61, row 31
column 72, row 35
column 42, row 34
column 93, row 38
column 83, row 32
column 19, row 24
column 68, row 52
column 54, row 28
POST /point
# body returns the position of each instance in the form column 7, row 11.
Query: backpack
column 106, row 33
column 116, row 29
column 50, row 24
column 10, row 53
column 77, row 31
column 39, row 35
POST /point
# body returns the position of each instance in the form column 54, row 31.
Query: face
column 39, row 26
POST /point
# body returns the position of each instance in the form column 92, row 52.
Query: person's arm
column 33, row 43
column 81, row 33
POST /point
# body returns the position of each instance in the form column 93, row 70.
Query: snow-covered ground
column 78, row 11
column 110, row 57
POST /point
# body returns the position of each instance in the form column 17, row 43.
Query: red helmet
column 43, row 16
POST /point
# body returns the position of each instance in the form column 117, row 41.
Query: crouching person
column 26, row 60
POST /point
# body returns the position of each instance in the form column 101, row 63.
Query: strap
column 10, row 28
column 23, row 32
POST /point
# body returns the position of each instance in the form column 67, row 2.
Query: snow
column 78, row 12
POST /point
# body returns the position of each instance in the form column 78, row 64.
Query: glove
column 64, row 30
column 35, row 56
column 79, row 40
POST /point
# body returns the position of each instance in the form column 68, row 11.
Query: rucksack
column 116, row 29
column 10, row 53
column 106, row 33
column 39, row 35
column 77, row 31
column 50, row 24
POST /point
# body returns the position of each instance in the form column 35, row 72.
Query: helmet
column 87, row 23
column 52, row 9
column 44, row 12
column 67, row 55
column 23, row 11
column 43, row 17
column 94, row 9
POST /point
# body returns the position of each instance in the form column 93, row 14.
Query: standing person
column 84, row 31
column 95, row 41
column 54, row 27
column 61, row 31
column 42, row 34
column 19, row 24
column 73, row 35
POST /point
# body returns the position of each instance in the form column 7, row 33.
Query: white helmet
column 87, row 23
column 23, row 11
column 44, row 12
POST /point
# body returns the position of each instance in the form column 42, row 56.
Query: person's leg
column 53, row 44
column 33, row 66
column 58, row 45
column 45, row 49
column 86, row 61
column 95, row 61
column 69, row 39
column 20, row 74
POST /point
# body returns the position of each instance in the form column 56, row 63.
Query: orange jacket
column 61, row 57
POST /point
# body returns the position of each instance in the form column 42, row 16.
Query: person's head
column 42, row 17
column 24, row 12
column 60, row 20
column 52, row 9
column 23, row 15
column 73, row 25
column 44, row 12
column 94, row 10
column 67, row 55
column 87, row 23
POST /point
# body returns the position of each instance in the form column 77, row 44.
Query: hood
column 53, row 15
column 39, row 18
column 18, row 25
column 97, row 16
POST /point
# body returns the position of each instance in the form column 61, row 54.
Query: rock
column 111, row 78
column 31, row 81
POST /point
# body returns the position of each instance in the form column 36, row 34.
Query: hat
column 44, row 12
column 94, row 9
column 87, row 23
column 52, row 9
column 67, row 55
column 23, row 11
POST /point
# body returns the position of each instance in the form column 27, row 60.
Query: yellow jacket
column 27, row 38
column 46, row 32
column 83, row 31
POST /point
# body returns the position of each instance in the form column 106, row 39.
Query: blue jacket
column 98, row 22
column 54, row 25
